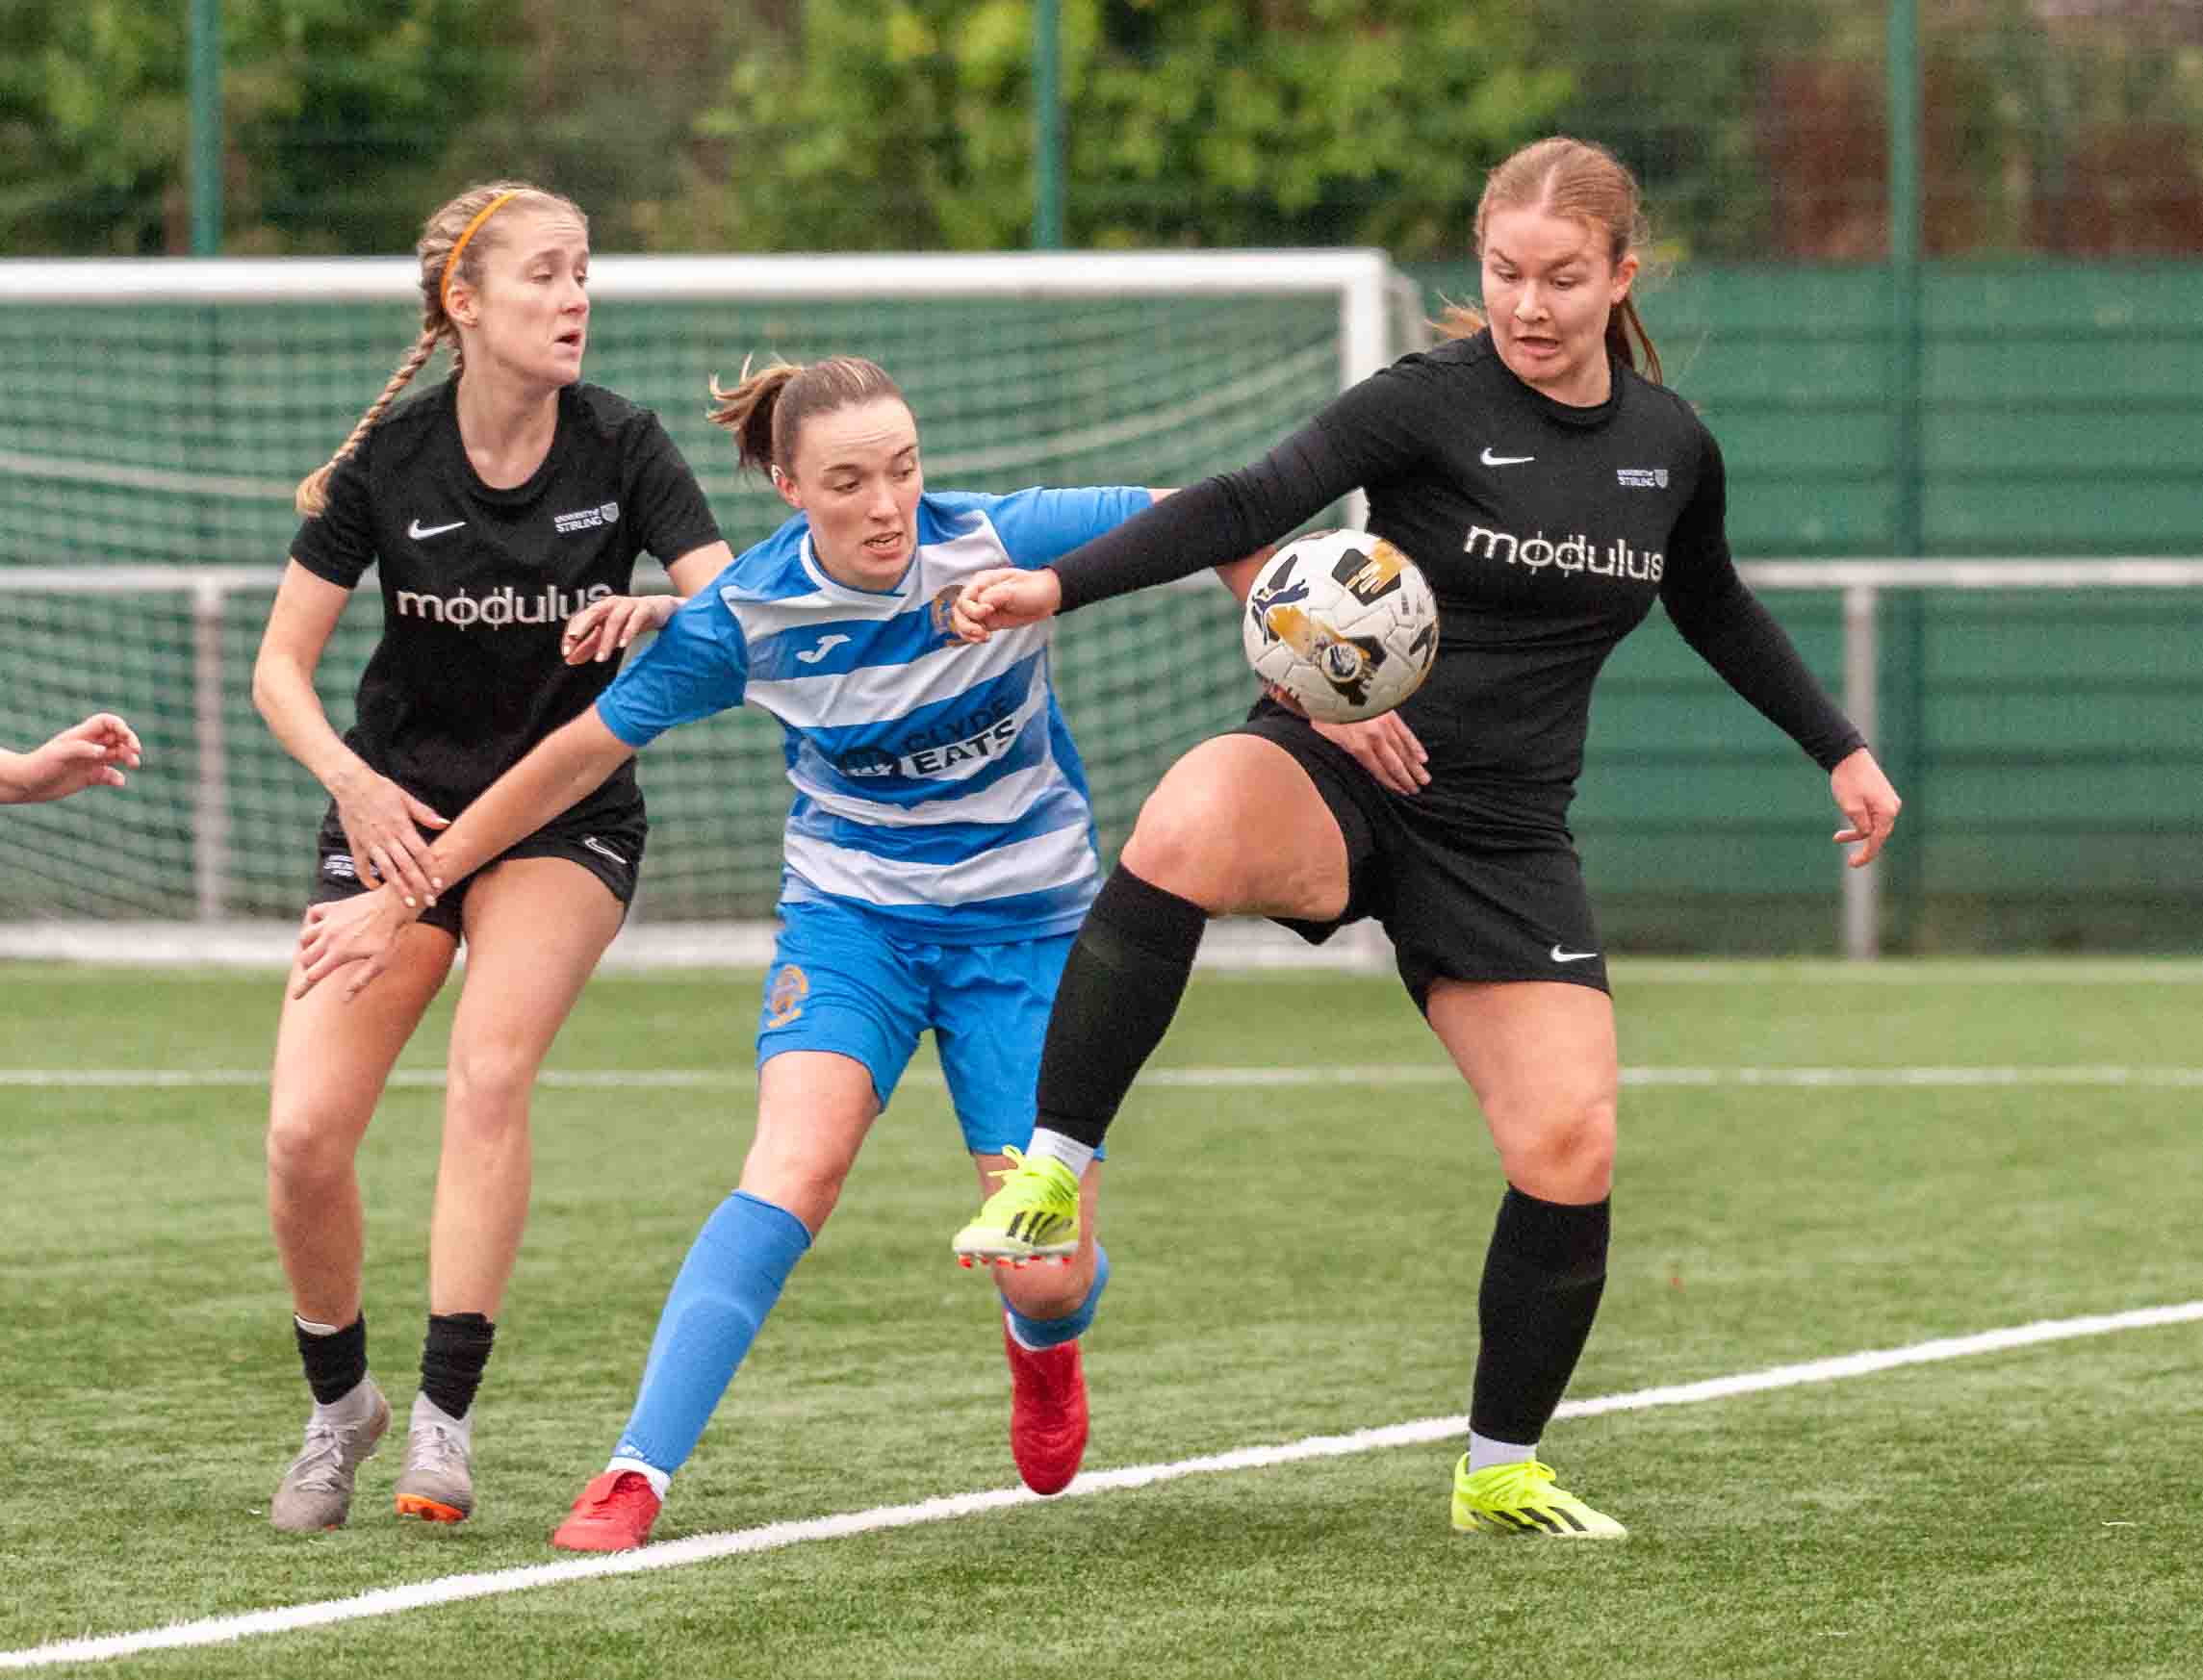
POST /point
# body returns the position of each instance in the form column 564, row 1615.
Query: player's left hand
column 604, row 627
column 361, row 929
column 1869, row 805
column 86, row 754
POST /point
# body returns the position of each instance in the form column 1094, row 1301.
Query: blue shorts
column 841, row 983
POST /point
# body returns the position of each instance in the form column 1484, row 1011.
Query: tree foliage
column 607, row 110
column 1211, row 122
column 343, row 113
column 92, row 119
column 1763, row 130
column 339, row 115
column 1759, row 129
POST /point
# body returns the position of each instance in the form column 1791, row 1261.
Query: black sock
column 1121, row 987
column 452, row 1358
column 334, row 1364
column 1542, row 1276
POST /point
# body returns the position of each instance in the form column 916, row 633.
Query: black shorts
column 1460, row 901
column 608, row 846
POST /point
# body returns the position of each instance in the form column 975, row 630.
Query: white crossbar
column 1016, row 274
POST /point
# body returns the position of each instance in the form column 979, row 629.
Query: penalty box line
column 772, row 1536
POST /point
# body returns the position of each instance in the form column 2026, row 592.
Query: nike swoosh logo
column 416, row 531
column 1491, row 460
column 1560, row 956
column 826, row 645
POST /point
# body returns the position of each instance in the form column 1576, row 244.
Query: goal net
column 155, row 416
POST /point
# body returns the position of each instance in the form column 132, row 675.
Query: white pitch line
column 773, row 1536
column 1182, row 1078
column 2157, row 1078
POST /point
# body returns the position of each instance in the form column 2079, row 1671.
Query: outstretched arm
column 1239, row 576
column 1218, row 521
column 564, row 768
column 1010, row 597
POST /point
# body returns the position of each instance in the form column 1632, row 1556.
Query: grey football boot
column 438, row 1482
column 315, row 1493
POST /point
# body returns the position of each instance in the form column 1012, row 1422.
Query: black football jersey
column 1546, row 532
column 477, row 582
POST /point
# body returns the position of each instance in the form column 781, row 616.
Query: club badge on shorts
column 784, row 1000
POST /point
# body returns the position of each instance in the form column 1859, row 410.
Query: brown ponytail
column 1623, row 324
column 766, row 411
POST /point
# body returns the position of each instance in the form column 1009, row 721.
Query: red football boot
column 613, row 1515
column 1047, row 1413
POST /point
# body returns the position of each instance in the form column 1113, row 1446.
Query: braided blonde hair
column 471, row 217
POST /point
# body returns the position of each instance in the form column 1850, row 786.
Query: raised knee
column 1173, row 845
column 1166, row 846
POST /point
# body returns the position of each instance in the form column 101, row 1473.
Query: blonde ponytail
column 313, row 492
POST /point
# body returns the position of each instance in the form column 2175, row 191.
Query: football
column 1342, row 622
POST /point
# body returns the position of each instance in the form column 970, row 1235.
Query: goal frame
column 1380, row 315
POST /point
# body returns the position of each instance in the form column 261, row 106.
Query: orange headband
column 451, row 262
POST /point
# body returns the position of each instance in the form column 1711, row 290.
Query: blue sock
column 1042, row 1333
column 734, row 1273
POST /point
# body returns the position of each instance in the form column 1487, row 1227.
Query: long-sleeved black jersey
column 1546, row 530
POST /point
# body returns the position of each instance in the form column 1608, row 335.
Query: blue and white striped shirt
column 936, row 780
